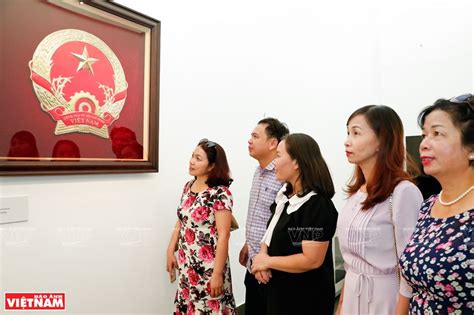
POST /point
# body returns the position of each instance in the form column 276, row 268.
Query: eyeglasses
column 208, row 143
column 464, row 99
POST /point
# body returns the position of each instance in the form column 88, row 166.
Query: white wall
column 224, row 66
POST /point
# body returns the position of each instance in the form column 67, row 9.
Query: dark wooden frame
column 22, row 168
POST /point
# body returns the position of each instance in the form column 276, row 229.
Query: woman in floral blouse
column 201, row 236
column 438, row 260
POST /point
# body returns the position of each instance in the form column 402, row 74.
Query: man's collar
column 269, row 167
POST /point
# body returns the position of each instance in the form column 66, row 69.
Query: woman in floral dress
column 438, row 261
column 202, row 236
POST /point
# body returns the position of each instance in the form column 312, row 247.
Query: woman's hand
column 217, row 284
column 341, row 300
column 244, row 255
column 171, row 262
column 260, row 262
column 263, row 276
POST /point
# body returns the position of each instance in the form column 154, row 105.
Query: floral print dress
column 197, row 245
column 438, row 263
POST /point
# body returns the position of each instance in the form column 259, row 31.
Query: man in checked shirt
column 263, row 143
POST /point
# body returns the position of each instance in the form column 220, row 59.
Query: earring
column 471, row 157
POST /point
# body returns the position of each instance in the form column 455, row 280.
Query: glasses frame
column 467, row 99
column 207, row 142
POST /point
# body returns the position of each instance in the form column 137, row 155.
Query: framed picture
column 79, row 88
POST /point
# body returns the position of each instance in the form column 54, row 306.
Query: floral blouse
column 438, row 263
column 197, row 245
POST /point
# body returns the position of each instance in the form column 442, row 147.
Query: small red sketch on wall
column 79, row 81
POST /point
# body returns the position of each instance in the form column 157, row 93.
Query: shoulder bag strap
column 397, row 269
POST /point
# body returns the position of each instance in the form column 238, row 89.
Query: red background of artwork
column 65, row 64
column 23, row 26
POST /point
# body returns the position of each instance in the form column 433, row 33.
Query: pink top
column 368, row 248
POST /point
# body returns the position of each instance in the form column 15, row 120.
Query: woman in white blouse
column 296, row 247
column 379, row 215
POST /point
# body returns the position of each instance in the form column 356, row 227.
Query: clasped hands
column 260, row 268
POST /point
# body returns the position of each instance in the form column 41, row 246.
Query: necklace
column 464, row 194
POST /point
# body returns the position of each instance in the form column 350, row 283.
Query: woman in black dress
column 295, row 260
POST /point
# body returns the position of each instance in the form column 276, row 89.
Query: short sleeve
column 184, row 194
column 222, row 199
column 317, row 220
column 407, row 200
column 187, row 186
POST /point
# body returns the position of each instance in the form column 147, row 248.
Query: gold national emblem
column 79, row 81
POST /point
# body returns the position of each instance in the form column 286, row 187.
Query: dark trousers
column 255, row 297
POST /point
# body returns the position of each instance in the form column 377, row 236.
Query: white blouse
column 295, row 202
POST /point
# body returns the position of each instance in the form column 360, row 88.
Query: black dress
column 310, row 292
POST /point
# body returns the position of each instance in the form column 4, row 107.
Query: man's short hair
column 274, row 128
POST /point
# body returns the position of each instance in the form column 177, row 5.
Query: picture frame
column 80, row 88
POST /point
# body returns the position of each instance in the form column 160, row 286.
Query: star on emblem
column 85, row 61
